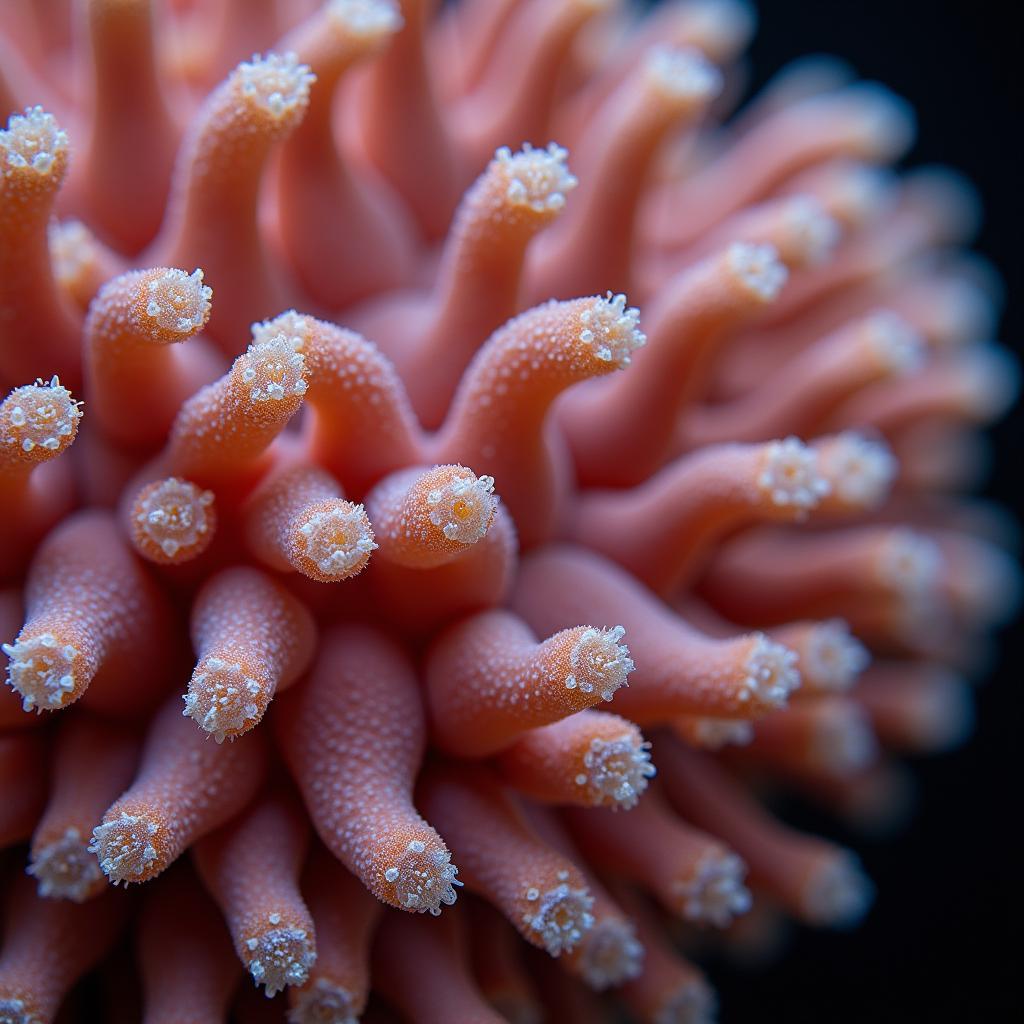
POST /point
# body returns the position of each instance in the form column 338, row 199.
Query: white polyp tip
column 770, row 672
column 39, row 420
column 423, row 879
column 694, row 1003
column 715, row 733
column 898, row 348
column 862, row 192
column 222, row 698
column 65, row 869
column 173, row 520
column 715, row 894
column 834, row 657
column 366, row 20
column 861, row 471
column 42, row 671
column 124, row 847
column 813, row 233
column 560, row 917
column 176, row 301
column 910, row 563
column 296, row 327
column 683, row 74
column 990, row 377
column 616, row 770
column 885, row 120
column 72, row 249
column 843, row 743
column 280, row 957
column 277, row 83
column 758, row 268
column 789, row 475
column 338, row 540
column 537, row 178
column 610, row 955
column 599, row 663
column 31, row 141
column 838, row 894
column 944, row 714
column 611, row 330
column 274, row 370
column 721, row 27
column 14, row 1011
column 323, row 1002
column 463, row 508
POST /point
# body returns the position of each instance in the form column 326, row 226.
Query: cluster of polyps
column 406, row 542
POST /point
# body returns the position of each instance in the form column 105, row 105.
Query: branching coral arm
column 662, row 530
column 23, row 784
column 212, row 213
column 669, row 988
column 362, row 425
column 864, row 122
column 427, row 518
column 49, row 945
column 691, row 873
column 251, row 868
column 188, row 967
column 253, row 639
column 38, row 423
column 421, row 968
column 822, row 737
column 803, row 393
column 816, row 881
column 478, row 282
column 94, row 621
column 499, row 415
column 298, row 520
column 608, row 954
column 851, row 572
column 404, row 131
column 125, row 172
column 679, row 670
column 326, row 202
column 38, row 327
column 497, row 966
column 916, row 706
column 693, row 315
column 93, row 762
column 593, row 245
column 185, row 788
column 515, row 94
column 420, row 601
column 590, row 759
column 353, row 737
column 345, row 916
column 489, row 680
column 81, row 262
column 171, row 521
column 137, row 381
column 540, row 891
column 220, row 433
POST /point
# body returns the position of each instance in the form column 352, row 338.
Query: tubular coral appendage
column 332, row 515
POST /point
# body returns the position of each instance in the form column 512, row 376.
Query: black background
column 943, row 942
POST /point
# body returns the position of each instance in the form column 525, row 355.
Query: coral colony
column 362, row 541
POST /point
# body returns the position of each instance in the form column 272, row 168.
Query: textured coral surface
column 403, row 623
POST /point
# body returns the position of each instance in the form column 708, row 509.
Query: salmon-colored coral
column 384, row 546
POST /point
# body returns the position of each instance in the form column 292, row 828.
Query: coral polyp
column 394, row 607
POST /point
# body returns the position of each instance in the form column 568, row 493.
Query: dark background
column 943, row 942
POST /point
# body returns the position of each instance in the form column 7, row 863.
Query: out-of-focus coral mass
column 453, row 457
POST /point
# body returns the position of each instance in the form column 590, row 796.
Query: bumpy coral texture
column 395, row 612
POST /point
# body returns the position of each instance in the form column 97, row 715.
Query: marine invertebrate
column 410, row 549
